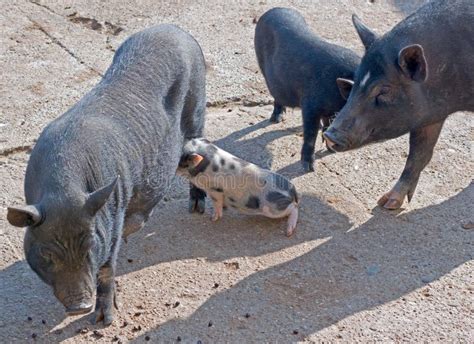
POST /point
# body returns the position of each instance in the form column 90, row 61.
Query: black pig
column 97, row 171
column 409, row 81
column 300, row 70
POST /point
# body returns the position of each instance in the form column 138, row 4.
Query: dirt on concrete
column 351, row 273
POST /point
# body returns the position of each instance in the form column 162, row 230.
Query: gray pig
column 97, row 171
column 231, row 181
column 409, row 81
column 300, row 70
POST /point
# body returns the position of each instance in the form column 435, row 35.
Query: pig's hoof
column 308, row 166
column 104, row 310
column 290, row 231
column 276, row 119
column 327, row 146
column 197, row 206
column 292, row 220
column 201, row 206
column 392, row 200
column 106, row 316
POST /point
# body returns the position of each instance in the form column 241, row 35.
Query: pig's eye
column 47, row 255
column 383, row 96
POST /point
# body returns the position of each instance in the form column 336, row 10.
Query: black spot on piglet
column 281, row 182
column 280, row 200
column 217, row 189
column 253, row 202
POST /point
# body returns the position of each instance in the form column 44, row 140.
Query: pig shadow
column 295, row 169
column 255, row 149
column 355, row 270
column 29, row 309
column 166, row 238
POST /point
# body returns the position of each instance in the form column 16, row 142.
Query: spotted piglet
column 231, row 181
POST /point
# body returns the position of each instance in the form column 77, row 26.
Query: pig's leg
column 197, row 200
column 218, row 203
column 133, row 223
column 277, row 111
column 311, row 117
column 325, row 123
column 105, row 299
column 422, row 142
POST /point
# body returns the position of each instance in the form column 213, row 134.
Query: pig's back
column 130, row 122
column 277, row 38
column 295, row 61
column 446, row 32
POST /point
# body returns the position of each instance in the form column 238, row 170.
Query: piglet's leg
column 292, row 220
column 422, row 142
column 218, row 203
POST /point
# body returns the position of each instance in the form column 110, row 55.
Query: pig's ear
column 412, row 61
column 96, row 200
column 194, row 159
column 345, row 87
column 28, row 215
column 367, row 36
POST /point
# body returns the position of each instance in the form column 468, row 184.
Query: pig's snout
column 335, row 140
column 76, row 302
column 80, row 308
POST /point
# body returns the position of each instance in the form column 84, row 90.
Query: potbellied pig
column 409, row 81
column 300, row 70
column 97, row 171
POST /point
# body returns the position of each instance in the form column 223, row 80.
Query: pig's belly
column 264, row 208
column 280, row 89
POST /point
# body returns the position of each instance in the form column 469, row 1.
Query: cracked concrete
column 351, row 273
column 62, row 46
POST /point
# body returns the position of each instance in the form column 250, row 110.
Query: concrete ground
column 351, row 273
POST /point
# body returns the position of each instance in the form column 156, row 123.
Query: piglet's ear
column 96, row 200
column 28, row 215
column 367, row 36
column 195, row 159
column 412, row 62
column 345, row 87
